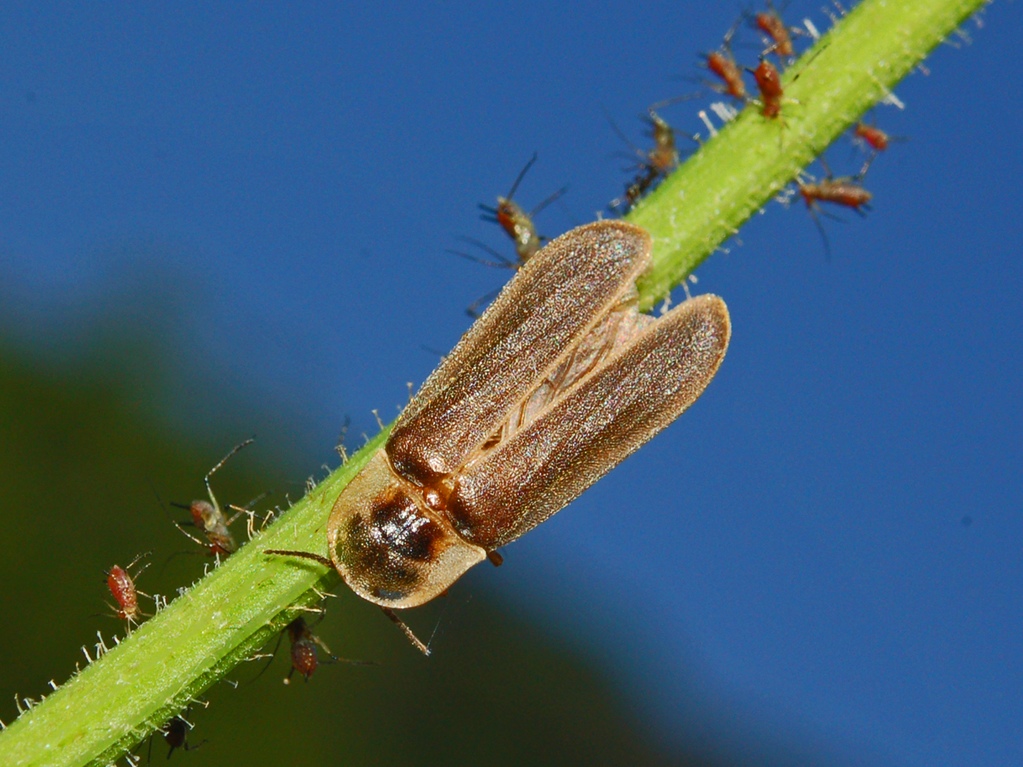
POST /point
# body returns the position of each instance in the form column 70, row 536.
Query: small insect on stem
column 516, row 223
column 175, row 732
column 845, row 191
column 875, row 139
column 208, row 517
column 872, row 136
column 654, row 164
column 773, row 27
column 558, row 381
column 722, row 63
column 122, row 587
column 304, row 656
column 769, row 84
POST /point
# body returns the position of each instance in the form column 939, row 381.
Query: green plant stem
column 120, row 699
column 849, row 70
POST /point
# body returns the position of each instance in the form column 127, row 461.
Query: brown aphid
column 769, row 84
column 723, row 64
column 837, row 191
column 558, row 381
column 778, row 34
column 845, row 191
column 304, row 658
column 122, row 587
column 726, row 68
column 208, row 517
column 654, row 164
column 516, row 223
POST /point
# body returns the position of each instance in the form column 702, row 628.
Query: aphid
column 516, row 223
column 558, row 381
column 175, row 732
column 723, row 64
column 845, row 191
column 875, row 139
column 769, row 83
column 208, row 517
column 304, row 656
column 122, row 588
column 838, row 191
column 654, row 164
column 773, row 27
column 873, row 136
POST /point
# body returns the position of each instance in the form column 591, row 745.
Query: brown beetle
column 558, row 381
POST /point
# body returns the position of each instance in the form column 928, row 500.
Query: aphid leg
column 495, row 558
column 416, row 642
column 473, row 309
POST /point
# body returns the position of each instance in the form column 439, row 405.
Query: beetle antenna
column 407, row 631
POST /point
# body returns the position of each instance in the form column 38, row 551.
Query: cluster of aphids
column 731, row 79
column 213, row 525
column 744, row 85
column 214, row 535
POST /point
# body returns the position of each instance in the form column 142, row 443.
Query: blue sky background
column 831, row 541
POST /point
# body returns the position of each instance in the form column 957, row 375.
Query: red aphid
column 516, row 223
column 122, row 588
column 304, row 658
column 772, row 25
column 769, row 83
column 725, row 67
column 873, row 136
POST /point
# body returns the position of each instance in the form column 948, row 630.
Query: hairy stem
column 121, row 698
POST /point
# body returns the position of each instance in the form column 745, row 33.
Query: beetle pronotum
column 559, row 380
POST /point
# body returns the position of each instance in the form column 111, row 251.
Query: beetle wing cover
column 651, row 376
column 551, row 303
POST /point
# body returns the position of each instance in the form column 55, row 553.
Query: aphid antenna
column 221, row 462
column 271, row 656
column 544, row 203
column 473, row 309
column 518, row 179
column 502, row 262
column 621, row 134
column 651, row 111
